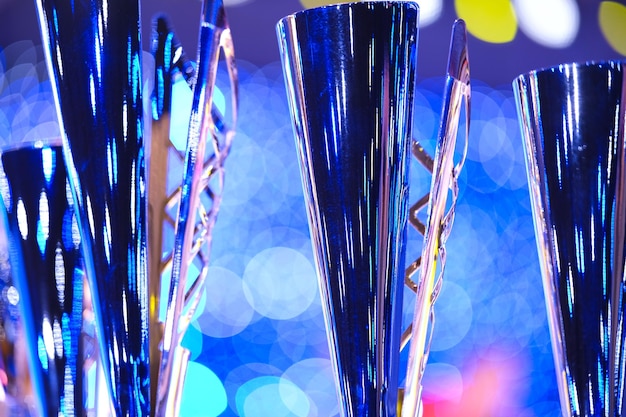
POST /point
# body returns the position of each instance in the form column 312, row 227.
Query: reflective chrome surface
column 200, row 193
column 440, row 218
column 46, row 264
column 169, row 58
column 93, row 54
column 572, row 118
column 350, row 75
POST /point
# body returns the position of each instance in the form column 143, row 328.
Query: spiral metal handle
column 197, row 199
column 439, row 222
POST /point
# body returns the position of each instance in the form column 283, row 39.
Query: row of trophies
column 84, row 215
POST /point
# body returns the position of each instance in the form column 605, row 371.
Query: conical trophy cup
column 46, row 264
column 350, row 75
column 94, row 58
column 93, row 53
column 572, row 118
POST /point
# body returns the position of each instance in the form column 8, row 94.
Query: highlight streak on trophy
column 198, row 198
column 350, row 76
column 46, row 265
column 94, row 61
column 439, row 222
column 572, row 118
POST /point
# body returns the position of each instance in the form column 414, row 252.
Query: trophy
column 44, row 248
column 94, row 60
column 93, row 52
column 350, row 76
column 572, row 119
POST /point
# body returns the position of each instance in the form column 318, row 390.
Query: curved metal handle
column 194, row 220
column 445, row 175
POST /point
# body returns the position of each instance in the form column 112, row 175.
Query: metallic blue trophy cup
column 93, row 53
column 350, row 75
column 46, row 265
column 572, row 118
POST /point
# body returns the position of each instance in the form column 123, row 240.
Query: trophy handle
column 198, row 198
column 439, row 223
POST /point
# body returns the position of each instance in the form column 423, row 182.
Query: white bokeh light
column 552, row 23
column 430, row 10
column 271, row 395
column 229, row 3
column 280, row 283
column 226, row 312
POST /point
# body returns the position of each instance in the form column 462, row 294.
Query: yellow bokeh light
column 612, row 19
column 309, row 4
column 491, row 21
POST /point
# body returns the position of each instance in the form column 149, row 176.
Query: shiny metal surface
column 93, row 52
column 350, row 75
column 170, row 60
column 199, row 195
column 440, row 218
column 572, row 118
column 46, row 265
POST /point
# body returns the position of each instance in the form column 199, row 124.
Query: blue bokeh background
column 258, row 345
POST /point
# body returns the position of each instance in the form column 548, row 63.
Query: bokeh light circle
column 453, row 313
column 271, row 396
column 507, row 323
column 193, row 342
column 201, row 382
column 492, row 21
column 498, row 166
column 229, row 3
column 492, row 254
column 182, row 100
column 227, row 311
column 280, row 283
column 430, row 11
column 309, row 4
column 612, row 18
column 239, row 376
column 244, row 182
column 297, row 338
column 551, row 23
column 315, row 377
column 442, row 382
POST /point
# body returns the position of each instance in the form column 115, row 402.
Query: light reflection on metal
column 93, row 52
column 319, row 48
column 439, row 222
column 350, row 76
column 572, row 121
column 195, row 203
column 46, row 267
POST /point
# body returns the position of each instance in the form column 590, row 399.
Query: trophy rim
column 409, row 4
column 48, row 142
column 571, row 65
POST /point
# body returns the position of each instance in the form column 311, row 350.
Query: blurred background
column 258, row 343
